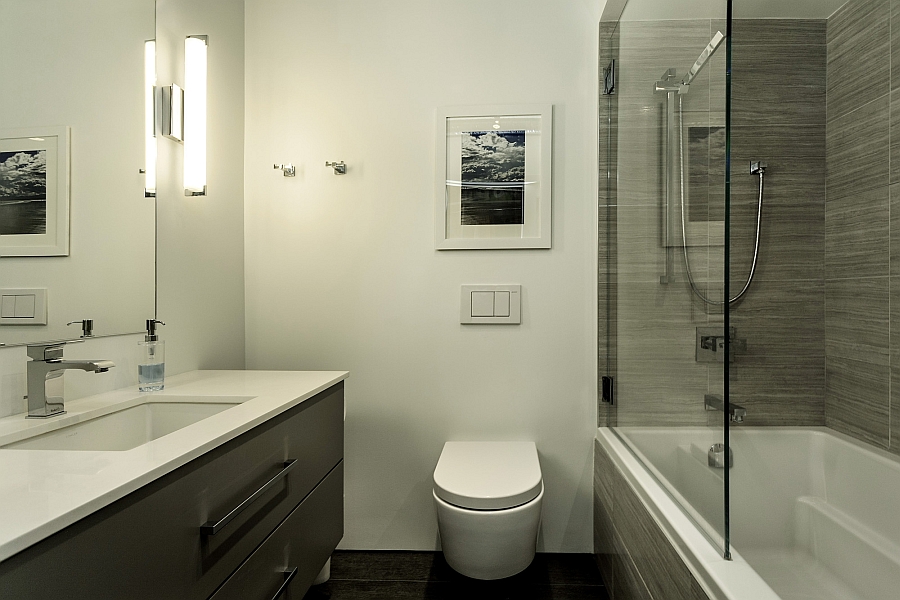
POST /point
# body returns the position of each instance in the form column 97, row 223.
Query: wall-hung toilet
column 488, row 497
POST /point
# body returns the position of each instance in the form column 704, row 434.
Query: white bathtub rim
column 720, row 579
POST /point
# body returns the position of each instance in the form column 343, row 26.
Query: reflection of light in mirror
column 149, row 118
column 195, row 50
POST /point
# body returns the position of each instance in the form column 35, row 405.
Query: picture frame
column 34, row 191
column 493, row 177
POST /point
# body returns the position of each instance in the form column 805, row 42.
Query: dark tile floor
column 357, row 575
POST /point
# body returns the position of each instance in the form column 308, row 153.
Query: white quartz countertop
column 44, row 491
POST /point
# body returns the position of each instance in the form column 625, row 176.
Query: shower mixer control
column 711, row 344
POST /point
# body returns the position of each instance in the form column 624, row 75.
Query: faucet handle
column 48, row 350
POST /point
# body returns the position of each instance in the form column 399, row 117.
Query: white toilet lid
column 488, row 475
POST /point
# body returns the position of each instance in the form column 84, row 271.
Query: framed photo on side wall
column 493, row 181
column 34, row 191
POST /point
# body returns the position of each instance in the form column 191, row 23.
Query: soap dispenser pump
column 152, row 363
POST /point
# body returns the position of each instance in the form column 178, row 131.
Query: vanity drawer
column 149, row 544
column 293, row 555
column 311, row 437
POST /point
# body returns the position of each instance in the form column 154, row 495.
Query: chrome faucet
column 736, row 412
column 45, row 370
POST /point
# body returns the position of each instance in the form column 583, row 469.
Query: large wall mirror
column 74, row 69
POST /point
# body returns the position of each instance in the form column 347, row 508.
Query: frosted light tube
column 195, row 62
column 150, row 118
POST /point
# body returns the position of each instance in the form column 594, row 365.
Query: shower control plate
column 710, row 346
column 708, row 343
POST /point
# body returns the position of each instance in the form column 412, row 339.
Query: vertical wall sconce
column 195, row 63
column 150, row 119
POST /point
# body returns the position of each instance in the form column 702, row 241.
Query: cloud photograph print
column 23, row 192
column 493, row 178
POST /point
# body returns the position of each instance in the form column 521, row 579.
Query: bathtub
column 814, row 513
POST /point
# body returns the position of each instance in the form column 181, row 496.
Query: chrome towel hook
column 339, row 167
column 288, row 169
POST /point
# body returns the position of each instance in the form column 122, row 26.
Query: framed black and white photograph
column 34, row 192
column 493, row 183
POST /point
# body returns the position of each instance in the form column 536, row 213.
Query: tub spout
column 736, row 412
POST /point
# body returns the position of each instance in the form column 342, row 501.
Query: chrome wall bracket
column 607, row 389
column 173, row 113
column 757, row 166
column 340, row 168
column 191, row 193
column 288, row 170
column 609, row 78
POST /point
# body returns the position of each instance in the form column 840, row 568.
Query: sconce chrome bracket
column 173, row 113
column 193, row 193
column 340, row 168
column 288, row 170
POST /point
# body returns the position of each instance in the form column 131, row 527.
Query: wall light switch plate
column 490, row 304
column 23, row 306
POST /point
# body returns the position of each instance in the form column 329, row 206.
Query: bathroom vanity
column 245, row 501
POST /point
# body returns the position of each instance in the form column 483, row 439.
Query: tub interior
column 812, row 511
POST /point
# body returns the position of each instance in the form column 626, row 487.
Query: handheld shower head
column 704, row 57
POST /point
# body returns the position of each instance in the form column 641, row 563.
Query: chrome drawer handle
column 288, row 576
column 213, row 527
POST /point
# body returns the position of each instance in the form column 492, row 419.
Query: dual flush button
column 490, row 304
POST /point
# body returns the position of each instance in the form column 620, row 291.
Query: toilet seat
column 488, row 475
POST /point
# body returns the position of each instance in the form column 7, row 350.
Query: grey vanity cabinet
column 295, row 552
column 149, row 544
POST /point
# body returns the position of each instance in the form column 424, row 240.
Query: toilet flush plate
column 23, row 306
column 490, row 304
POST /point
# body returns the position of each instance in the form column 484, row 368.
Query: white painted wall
column 200, row 239
column 341, row 272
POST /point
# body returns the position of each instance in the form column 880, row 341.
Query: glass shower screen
column 664, row 339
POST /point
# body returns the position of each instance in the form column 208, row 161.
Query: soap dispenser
column 152, row 362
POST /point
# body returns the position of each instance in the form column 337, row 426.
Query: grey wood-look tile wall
column 862, row 266
column 635, row 558
column 778, row 116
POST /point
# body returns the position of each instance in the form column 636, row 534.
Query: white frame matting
column 537, row 122
column 55, row 140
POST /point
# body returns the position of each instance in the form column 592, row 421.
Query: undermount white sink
column 131, row 426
